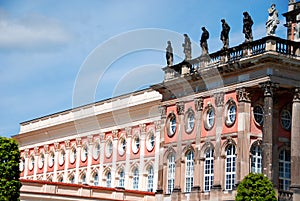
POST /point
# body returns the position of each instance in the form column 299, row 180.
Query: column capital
column 26, row 152
column 242, row 95
column 163, row 111
column 67, row 143
column 219, row 99
column 78, row 141
column 128, row 131
column 198, row 103
column 268, row 88
column 143, row 128
column 157, row 125
column 296, row 95
column 180, row 108
column 36, row 151
column 90, row 139
column 56, row 146
column 46, row 148
column 115, row 134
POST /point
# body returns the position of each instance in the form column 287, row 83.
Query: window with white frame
column 286, row 119
column 256, row 159
column 72, row 179
column 150, row 179
column 108, row 179
column 122, row 146
column 122, row 178
column 150, row 141
column 189, row 171
column 136, row 144
column 96, row 150
column 171, row 173
column 208, row 169
column 22, row 164
column 284, row 170
column 108, row 148
column 171, row 124
column 96, row 179
column 51, row 159
column 189, row 121
column 62, row 157
column 83, row 178
column 135, row 179
column 258, row 113
column 84, row 153
column 60, row 178
column 209, row 119
column 73, row 155
column 230, row 167
column 41, row 160
column 31, row 163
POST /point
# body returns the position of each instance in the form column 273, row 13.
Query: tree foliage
column 255, row 187
column 9, row 170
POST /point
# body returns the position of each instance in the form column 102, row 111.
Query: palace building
column 194, row 136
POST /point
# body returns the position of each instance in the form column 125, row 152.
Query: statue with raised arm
column 187, row 48
column 272, row 21
column 169, row 54
column 203, row 41
column 225, row 34
column 247, row 27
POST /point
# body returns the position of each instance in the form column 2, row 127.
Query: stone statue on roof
column 203, row 41
column 225, row 34
column 272, row 21
column 187, row 48
column 169, row 54
column 247, row 27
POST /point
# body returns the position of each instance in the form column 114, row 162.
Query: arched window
column 96, row 179
column 284, row 170
column 122, row 178
column 171, row 173
column 108, row 179
column 135, row 179
column 256, row 159
column 230, row 167
column 60, row 178
column 189, row 171
column 208, row 169
column 83, row 178
column 150, row 179
column 72, row 179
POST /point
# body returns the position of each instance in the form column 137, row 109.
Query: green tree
column 255, row 187
column 9, row 170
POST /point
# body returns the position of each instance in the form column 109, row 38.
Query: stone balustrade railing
column 285, row 196
column 234, row 54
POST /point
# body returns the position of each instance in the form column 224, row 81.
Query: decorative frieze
column 198, row 103
column 219, row 99
column 242, row 95
column 180, row 108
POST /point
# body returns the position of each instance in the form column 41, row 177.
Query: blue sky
column 48, row 48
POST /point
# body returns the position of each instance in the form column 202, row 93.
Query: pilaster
column 295, row 146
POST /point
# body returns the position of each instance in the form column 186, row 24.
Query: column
column 142, row 155
column 160, row 186
column 295, row 146
column 102, row 155
column 114, row 157
column 46, row 151
column 219, row 102
column 269, row 139
column 176, row 195
column 90, row 157
column 67, row 156
column 26, row 163
column 128, row 150
column 56, row 144
column 36, row 161
column 243, row 142
column 78, row 153
column 156, row 160
column 195, row 194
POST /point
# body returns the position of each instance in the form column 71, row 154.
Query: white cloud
column 32, row 32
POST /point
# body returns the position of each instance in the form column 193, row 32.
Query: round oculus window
column 108, row 148
column 122, row 146
column 51, row 159
column 172, row 125
column 210, row 118
column 31, row 163
column 62, row 156
column 258, row 113
column 96, row 150
column 231, row 114
column 285, row 118
column 189, row 121
column 136, row 144
column 84, row 153
column 73, row 155
column 150, row 141
column 41, row 160
column 22, row 164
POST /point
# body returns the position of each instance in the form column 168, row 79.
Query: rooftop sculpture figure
column 225, row 34
column 169, row 54
column 203, row 41
column 272, row 21
column 247, row 27
column 187, row 49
